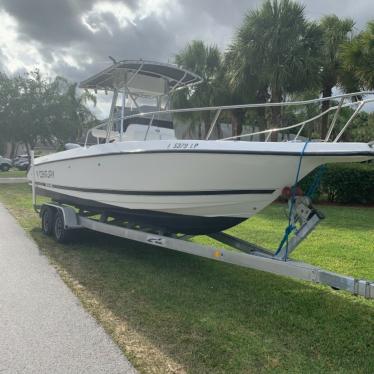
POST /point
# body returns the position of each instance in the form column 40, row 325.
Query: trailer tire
column 62, row 234
column 48, row 220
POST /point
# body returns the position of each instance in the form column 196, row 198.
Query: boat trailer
column 245, row 254
column 61, row 220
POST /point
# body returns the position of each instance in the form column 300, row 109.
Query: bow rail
column 356, row 99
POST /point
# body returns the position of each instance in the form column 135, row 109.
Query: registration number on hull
column 182, row 145
column 43, row 174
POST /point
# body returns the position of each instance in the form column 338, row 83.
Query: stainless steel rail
column 337, row 108
column 301, row 125
column 259, row 105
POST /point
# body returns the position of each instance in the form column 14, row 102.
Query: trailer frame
column 244, row 254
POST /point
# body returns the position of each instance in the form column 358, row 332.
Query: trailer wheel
column 62, row 235
column 48, row 220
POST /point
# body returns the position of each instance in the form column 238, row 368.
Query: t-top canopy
column 144, row 77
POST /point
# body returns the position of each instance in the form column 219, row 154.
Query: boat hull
column 158, row 221
column 192, row 187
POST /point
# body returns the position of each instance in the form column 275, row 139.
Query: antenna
column 113, row 59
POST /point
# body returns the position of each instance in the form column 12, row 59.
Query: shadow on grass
column 214, row 317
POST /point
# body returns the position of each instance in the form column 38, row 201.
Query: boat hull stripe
column 160, row 193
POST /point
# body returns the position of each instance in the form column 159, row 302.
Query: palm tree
column 82, row 113
column 276, row 51
column 68, row 113
column 205, row 61
column 358, row 57
column 336, row 31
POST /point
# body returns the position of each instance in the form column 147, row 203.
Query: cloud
column 17, row 56
column 47, row 21
column 70, row 36
column 359, row 11
column 74, row 38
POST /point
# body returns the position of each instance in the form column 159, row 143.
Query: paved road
column 43, row 327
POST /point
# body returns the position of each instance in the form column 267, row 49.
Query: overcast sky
column 74, row 37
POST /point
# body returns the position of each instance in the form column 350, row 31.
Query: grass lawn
column 13, row 173
column 172, row 312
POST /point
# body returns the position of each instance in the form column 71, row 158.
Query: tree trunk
column 276, row 97
column 327, row 92
column 28, row 150
column 12, row 149
column 219, row 131
column 262, row 96
column 276, row 114
column 234, row 124
column 207, row 127
column 201, row 124
column 237, row 127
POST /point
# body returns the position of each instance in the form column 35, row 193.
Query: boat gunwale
column 213, row 151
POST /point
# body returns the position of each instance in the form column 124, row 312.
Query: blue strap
column 291, row 227
column 317, row 180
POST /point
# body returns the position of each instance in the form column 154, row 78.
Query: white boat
column 139, row 171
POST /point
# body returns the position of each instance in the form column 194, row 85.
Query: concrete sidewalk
column 12, row 180
column 43, row 327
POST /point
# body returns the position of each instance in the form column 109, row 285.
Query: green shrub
column 349, row 183
column 344, row 183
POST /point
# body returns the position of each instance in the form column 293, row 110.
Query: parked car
column 5, row 163
column 19, row 158
column 23, row 165
column 21, row 162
